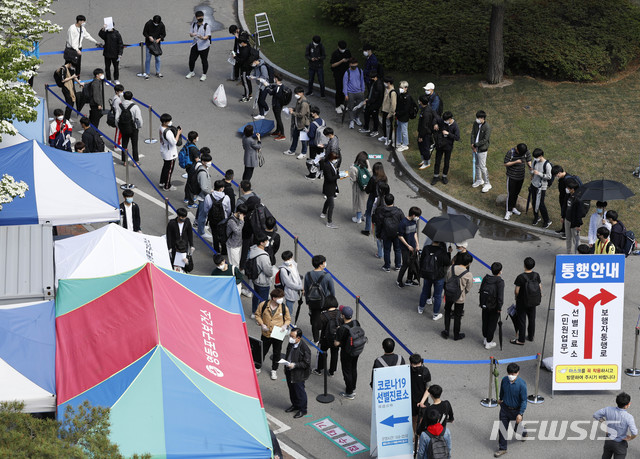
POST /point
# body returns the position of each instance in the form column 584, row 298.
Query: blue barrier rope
column 457, row 362
column 517, row 359
column 137, row 45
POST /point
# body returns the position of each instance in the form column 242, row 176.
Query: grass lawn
column 592, row 130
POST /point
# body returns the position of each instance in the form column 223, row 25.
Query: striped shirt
column 618, row 421
column 516, row 171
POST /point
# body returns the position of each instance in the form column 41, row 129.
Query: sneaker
column 429, row 301
column 477, row 183
column 116, row 82
column 258, row 370
column 425, row 165
column 516, row 211
column 374, row 134
column 339, row 110
column 145, row 76
column 459, row 337
column 173, row 188
column 364, row 131
column 561, row 230
column 437, row 316
column 253, row 316
column 351, row 126
column 317, row 372
column 366, row 233
column 387, row 142
column 258, row 117
column 356, row 220
column 563, row 236
column 185, row 175
column 397, row 268
column 247, row 293
column 310, row 177
column 445, row 180
column 301, row 156
column 507, row 216
column 186, row 201
column 486, row 187
column 412, row 282
column 434, row 180
column 358, row 122
column 159, row 75
column 382, row 139
column 332, row 225
column 547, row 225
column 308, row 93
column 490, row 345
column 192, row 206
column 243, row 99
column 402, row 148
column 203, row 77
column 500, row 452
column 274, row 375
column 420, row 310
column 348, row 396
column 386, row 270
column 280, row 138
column 289, row 153
column 399, row 284
column 323, row 215
column 444, row 334
column 536, row 220
column 190, row 75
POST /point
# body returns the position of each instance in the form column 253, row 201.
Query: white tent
column 108, row 251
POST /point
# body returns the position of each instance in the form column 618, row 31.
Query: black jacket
column 155, row 31
column 384, row 212
column 317, row 52
column 427, row 119
column 113, row 45
column 301, row 357
column 573, row 209
column 338, row 70
column 174, row 235
column 331, row 176
column 443, row 257
column 135, row 214
column 228, row 190
column 403, row 106
column 92, row 140
column 277, row 101
column 375, row 95
column 243, row 59
column 447, row 141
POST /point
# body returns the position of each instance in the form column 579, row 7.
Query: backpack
column 315, row 295
column 488, row 295
column 216, row 213
column 532, row 292
column 413, row 108
column 629, row 242
column 257, row 218
column 57, row 77
column 320, row 138
column 111, row 116
column 430, row 265
column 175, row 134
column 544, row 168
column 87, row 93
column 184, row 159
column 328, row 334
column 192, row 180
column 437, row 448
column 126, row 123
column 277, row 283
column 287, row 95
column 452, row 288
column 356, row 340
column 251, row 269
column 363, row 177
column 390, row 226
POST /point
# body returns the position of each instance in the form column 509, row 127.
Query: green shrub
column 341, row 12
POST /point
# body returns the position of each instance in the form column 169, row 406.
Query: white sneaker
column 374, row 134
column 332, row 226
column 323, row 215
column 486, row 187
column 387, row 143
column 430, row 301
column 507, row 216
column 274, row 375
column 339, row 110
column 190, row 75
column 289, row 153
column 420, row 310
column 301, row 156
column 477, row 183
column 358, row 122
column 258, row 117
column 484, row 341
column 356, row 220
column 246, row 293
column 437, row 316
column 421, row 164
column 253, row 316
column 351, row 126
column 185, row 175
column 515, row 211
column 490, row 345
column 382, row 139
column 203, row 77
column 116, row 82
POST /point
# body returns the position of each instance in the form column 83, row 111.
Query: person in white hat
column 434, row 100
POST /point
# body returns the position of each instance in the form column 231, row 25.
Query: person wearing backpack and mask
column 408, row 237
column 377, row 176
column 129, row 122
column 290, row 280
column 528, row 294
column 259, row 270
column 235, row 223
column 420, row 379
column 199, row 182
column 458, row 282
column 91, row 139
column 112, row 119
column 389, row 218
column 169, row 137
column 188, row 157
column 351, row 341
column 434, row 261
column 271, row 230
column 388, row 359
column 316, row 138
column 318, row 285
column 273, row 313
column 491, row 301
column 297, row 372
column 227, row 269
column 359, row 174
column 618, row 231
column 540, row 177
column 66, row 78
column 330, row 321
column 435, row 441
column 217, row 207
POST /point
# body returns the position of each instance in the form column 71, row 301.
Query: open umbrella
column 262, row 127
column 604, row 190
column 450, row 228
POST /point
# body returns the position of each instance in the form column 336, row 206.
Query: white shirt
column 596, row 221
column 74, row 39
column 203, row 30
column 128, row 212
column 168, row 148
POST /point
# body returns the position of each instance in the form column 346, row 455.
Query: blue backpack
column 184, row 159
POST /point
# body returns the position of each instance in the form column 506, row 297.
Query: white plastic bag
column 220, row 97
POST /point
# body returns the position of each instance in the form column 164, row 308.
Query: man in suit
column 297, row 372
column 179, row 229
column 129, row 212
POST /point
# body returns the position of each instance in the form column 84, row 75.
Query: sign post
column 391, row 428
column 589, row 313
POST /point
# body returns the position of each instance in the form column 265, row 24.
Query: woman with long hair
column 377, row 176
column 251, row 148
column 359, row 174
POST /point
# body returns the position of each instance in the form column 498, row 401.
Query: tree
column 21, row 26
column 495, row 66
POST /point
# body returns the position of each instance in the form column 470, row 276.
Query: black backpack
column 390, row 226
column 328, row 334
column 111, row 116
column 175, row 134
column 192, row 179
column 532, row 292
column 488, row 295
column 257, row 218
column 430, row 266
column 413, row 108
column 251, row 269
column 87, row 93
column 287, row 95
column 452, row 288
column 437, row 448
column 544, row 168
column 216, row 213
column 315, row 295
column 126, row 123
column 356, row 340
column 629, row 243
column 57, row 76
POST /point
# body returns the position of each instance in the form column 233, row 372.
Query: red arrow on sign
column 575, row 298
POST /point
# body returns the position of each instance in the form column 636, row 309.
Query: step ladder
column 263, row 28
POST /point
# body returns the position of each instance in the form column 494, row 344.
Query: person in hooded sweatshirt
column 265, row 272
column 493, row 296
column 291, row 280
column 216, row 233
column 434, row 429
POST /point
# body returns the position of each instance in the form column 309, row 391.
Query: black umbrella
column 500, row 330
column 450, row 228
column 604, row 190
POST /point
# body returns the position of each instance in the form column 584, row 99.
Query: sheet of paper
column 278, row 333
column 108, row 23
column 303, row 136
column 286, row 362
column 179, row 259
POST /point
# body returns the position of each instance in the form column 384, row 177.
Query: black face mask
column 200, row 19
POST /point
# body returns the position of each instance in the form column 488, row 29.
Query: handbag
column 188, row 267
column 154, row 48
column 260, row 159
column 71, row 55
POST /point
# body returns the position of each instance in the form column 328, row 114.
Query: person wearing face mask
column 169, row 138
column 513, row 403
column 260, row 72
column 339, row 64
column 318, row 285
column 96, row 102
column 76, row 33
column 114, row 103
column 371, row 65
column 353, row 89
column 598, row 220
column 245, row 57
column 227, row 269
column 60, row 130
column 300, row 121
column 290, row 279
column 179, row 229
column 203, row 181
column 315, row 54
column 91, row 139
column 297, row 371
column 235, row 223
column 388, row 108
column 447, row 132
column 408, row 237
column 434, row 99
column 154, row 32
column 129, row 212
column 420, row 379
column 404, row 108
column 373, row 102
column 618, row 231
column 514, row 162
column 426, row 120
column 540, row 176
column 271, row 314
column 129, row 126
column 330, row 188
column 264, row 270
column 573, row 216
column 112, row 52
column 201, row 34
column 277, row 103
column 480, row 139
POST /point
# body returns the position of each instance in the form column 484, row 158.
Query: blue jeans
column 147, row 62
column 367, row 214
column 402, row 133
column 312, row 73
column 262, row 294
column 438, row 287
column 295, row 136
column 387, row 243
column 291, row 305
column 380, row 247
column 201, row 217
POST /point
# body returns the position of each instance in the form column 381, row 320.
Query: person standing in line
column 236, row 32
column 373, row 102
column 318, row 285
column 76, row 33
column 339, row 64
column 598, row 220
column 330, row 188
column 227, row 269
column 203, row 179
column 297, row 372
column 179, row 229
column 460, row 274
column 114, row 103
column 265, row 271
column 377, row 176
column 300, row 121
column 491, row 301
column 359, row 173
column 244, row 59
column 349, row 363
column 388, row 108
column 154, row 33
column 433, row 429
column 540, row 176
column 603, row 245
column 60, row 131
column 562, row 176
column 316, row 145
column 617, row 230
column 353, row 90
column 201, row 34
column 621, row 427
column 291, row 280
column 528, row 295
column 260, row 73
column 91, row 139
column 112, row 52
column 388, row 359
column 218, row 220
column 129, row 122
column 404, row 107
column 96, row 103
column 192, row 159
column 277, row 103
column 169, row 137
column 68, row 79
column 513, row 403
column 234, row 234
column 420, row 379
column 447, row 132
column 408, row 237
column 573, row 216
column 271, row 314
column 514, row 162
column 251, row 148
column 434, row 261
column 480, row 140
column 388, row 219
column 129, row 212
column 315, row 54
column 229, row 187
column 330, row 321
column 426, row 121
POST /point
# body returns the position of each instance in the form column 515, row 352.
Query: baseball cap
column 429, row 86
column 346, row 311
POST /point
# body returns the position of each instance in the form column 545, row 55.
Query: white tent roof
column 16, row 386
column 107, row 251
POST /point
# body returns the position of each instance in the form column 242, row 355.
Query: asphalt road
column 297, row 203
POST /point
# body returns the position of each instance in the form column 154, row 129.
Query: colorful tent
column 106, row 251
column 169, row 353
column 27, row 351
column 37, row 130
column 64, row 188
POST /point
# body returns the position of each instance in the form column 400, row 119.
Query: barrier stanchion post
column 325, row 397
column 46, row 98
column 490, row 402
column 535, row 398
column 357, row 308
column 150, row 139
column 127, row 184
column 295, row 249
column 166, row 211
column 141, row 60
column 634, row 371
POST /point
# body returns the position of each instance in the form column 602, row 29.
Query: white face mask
column 279, row 300
column 297, row 96
column 288, row 263
column 599, row 210
column 479, row 120
column 567, row 190
column 366, row 53
column 341, row 50
column 512, row 377
column 59, row 118
column 386, row 85
column 325, row 266
column 101, row 77
column 170, row 123
column 292, row 340
column 334, row 162
column 402, row 90
column 222, row 267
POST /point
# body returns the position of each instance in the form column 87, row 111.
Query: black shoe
column 561, row 230
column 563, row 236
column 290, row 409
column 366, row 233
column 530, row 338
column 299, row 414
column 308, row 93
column 536, row 220
column 399, row 284
column 434, row 180
column 459, row 337
column 317, row 372
column 444, row 334
column 445, row 180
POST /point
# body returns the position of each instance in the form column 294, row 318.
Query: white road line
column 148, row 197
column 290, row 451
column 282, row 427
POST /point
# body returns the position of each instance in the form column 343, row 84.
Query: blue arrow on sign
column 391, row 421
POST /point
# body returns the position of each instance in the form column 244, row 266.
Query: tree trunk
column 495, row 69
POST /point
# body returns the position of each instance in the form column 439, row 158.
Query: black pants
column 133, row 136
column 297, row 394
column 349, row 371
column 524, row 313
column 513, row 190
column 383, row 126
column 263, row 107
column 424, row 146
column 371, row 113
column 188, row 194
column 277, row 350
column 333, row 362
column 406, row 255
column 193, row 57
column 489, row 323
column 277, row 114
column 615, row 449
column 246, row 84
column 248, row 173
column 94, row 115
column 447, row 159
column 69, row 100
column 246, row 244
column 458, row 312
column 78, row 64
column 316, row 323
column 165, row 174
column 337, row 78
column 507, row 415
column 327, row 209
column 542, row 207
column 108, row 62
